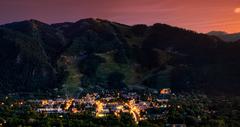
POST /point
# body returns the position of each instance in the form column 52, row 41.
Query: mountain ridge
column 113, row 55
column 232, row 37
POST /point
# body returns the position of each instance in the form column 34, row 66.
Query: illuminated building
column 165, row 91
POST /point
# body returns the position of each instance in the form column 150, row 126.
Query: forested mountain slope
column 37, row 56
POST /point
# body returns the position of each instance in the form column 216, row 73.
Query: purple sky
column 201, row 16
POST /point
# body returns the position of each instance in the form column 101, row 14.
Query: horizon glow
column 201, row 16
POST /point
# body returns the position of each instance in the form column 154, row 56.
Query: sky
column 198, row 15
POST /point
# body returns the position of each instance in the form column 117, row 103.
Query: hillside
column 225, row 36
column 38, row 56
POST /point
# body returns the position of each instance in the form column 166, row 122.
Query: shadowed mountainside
column 37, row 56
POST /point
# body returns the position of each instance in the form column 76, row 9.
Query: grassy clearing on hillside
column 111, row 66
column 72, row 82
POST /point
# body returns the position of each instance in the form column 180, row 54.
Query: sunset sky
column 198, row 15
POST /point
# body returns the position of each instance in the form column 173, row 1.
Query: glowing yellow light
column 99, row 109
column 165, row 91
column 116, row 114
column 44, row 102
column 134, row 110
column 119, row 107
column 74, row 110
column 100, row 115
column 68, row 104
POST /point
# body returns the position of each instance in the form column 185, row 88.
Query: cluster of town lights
column 104, row 106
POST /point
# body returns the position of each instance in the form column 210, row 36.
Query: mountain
column 225, row 36
column 36, row 56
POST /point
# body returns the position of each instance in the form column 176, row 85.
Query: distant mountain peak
column 93, row 20
column 225, row 36
column 30, row 21
column 217, row 33
column 35, row 21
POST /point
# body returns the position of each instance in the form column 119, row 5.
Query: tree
column 115, row 80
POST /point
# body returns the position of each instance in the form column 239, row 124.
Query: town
column 117, row 107
column 141, row 107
